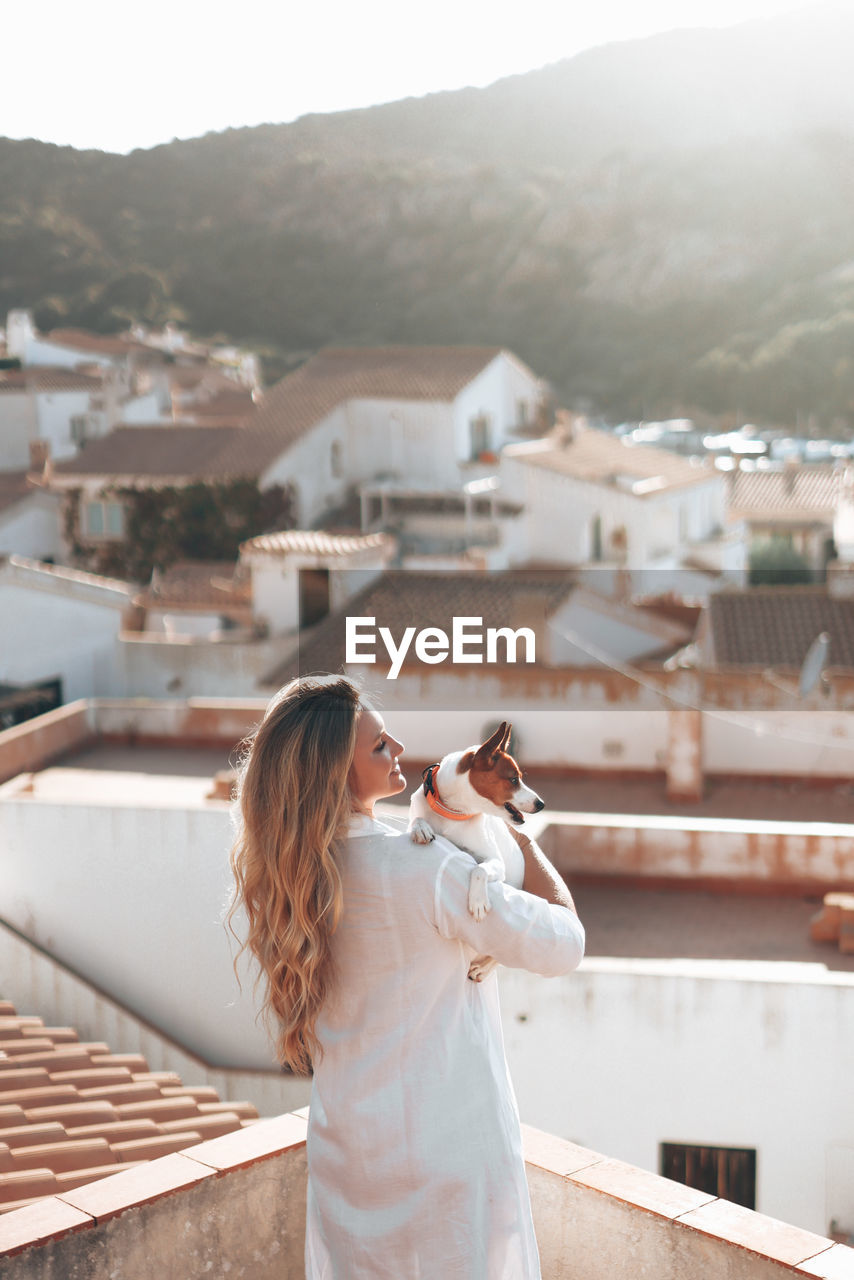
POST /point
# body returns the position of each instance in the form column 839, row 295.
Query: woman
column 364, row 941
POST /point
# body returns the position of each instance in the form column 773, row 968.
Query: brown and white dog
column 472, row 797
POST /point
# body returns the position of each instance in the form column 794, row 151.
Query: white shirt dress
column 414, row 1148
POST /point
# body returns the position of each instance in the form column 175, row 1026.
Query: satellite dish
column 813, row 664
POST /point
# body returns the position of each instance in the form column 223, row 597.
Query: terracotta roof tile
column 400, row 598
column 310, row 393
column 314, row 542
column 598, row 457
column 793, row 493
column 176, row 452
column 98, row 343
column 48, row 378
column 68, row 1132
column 775, row 626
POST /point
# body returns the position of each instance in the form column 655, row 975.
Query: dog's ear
column 488, row 750
column 505, row 745
column 466, row 761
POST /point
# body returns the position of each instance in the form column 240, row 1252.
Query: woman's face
column 374, row 772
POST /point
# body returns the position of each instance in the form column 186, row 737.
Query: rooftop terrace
column 240, row 1200
column 701, row 913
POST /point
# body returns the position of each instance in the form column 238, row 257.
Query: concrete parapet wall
column 205, row 1211
column 596, row 1217
column 770, row 855
column 237, row 1205
column 30, row 746
column 206, row 721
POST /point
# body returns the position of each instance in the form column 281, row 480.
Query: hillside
column 655, row 226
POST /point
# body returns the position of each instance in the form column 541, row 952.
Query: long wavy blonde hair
column 294, row 802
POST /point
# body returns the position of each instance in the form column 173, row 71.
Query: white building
column 68, row 348
column 438, row 415
column 29, row 518
column 807, row 507
column 58, row 623
column 48, row 412
column 591, row 498
column 300, row 576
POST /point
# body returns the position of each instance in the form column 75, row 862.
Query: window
column 104, row 520
column 596, row 538
column 79, row 426
column 479, row 431
column 727, row 1172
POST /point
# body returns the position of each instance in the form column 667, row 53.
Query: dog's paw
column 481, row 967
column 421, row 832
column 479, row 902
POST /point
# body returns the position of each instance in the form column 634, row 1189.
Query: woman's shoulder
column 388, row 837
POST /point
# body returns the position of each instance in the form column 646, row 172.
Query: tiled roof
column 673, row 608
column 794, row 493
column 72, row 1112
column 400, row 599
column 41, row 378
column 232, row 403
column 186, row 377
column 195, row 584
column 775, row 626
column 314, row 542
column 310, row 393
column 23, row 567
column 167, row 451
column 98, row 343
column 599, row 457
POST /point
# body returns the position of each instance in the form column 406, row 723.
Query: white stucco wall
column 496, row 391
column 147, row 410
column 308, row 466
column 131, row 897
column 31, row 527
column 49, row 632
column 807, row 741
column 54, row 411
column 151, row 666
column 412, row 440
column 42, row 351
column 18, row 426
column 625, row 1055
column 582, row 739
column 560, row 511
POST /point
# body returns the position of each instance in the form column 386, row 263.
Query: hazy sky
column 97, row 73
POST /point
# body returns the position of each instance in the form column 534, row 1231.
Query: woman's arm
column 541, row 879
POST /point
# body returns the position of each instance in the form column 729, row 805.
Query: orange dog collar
column 435, row 803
